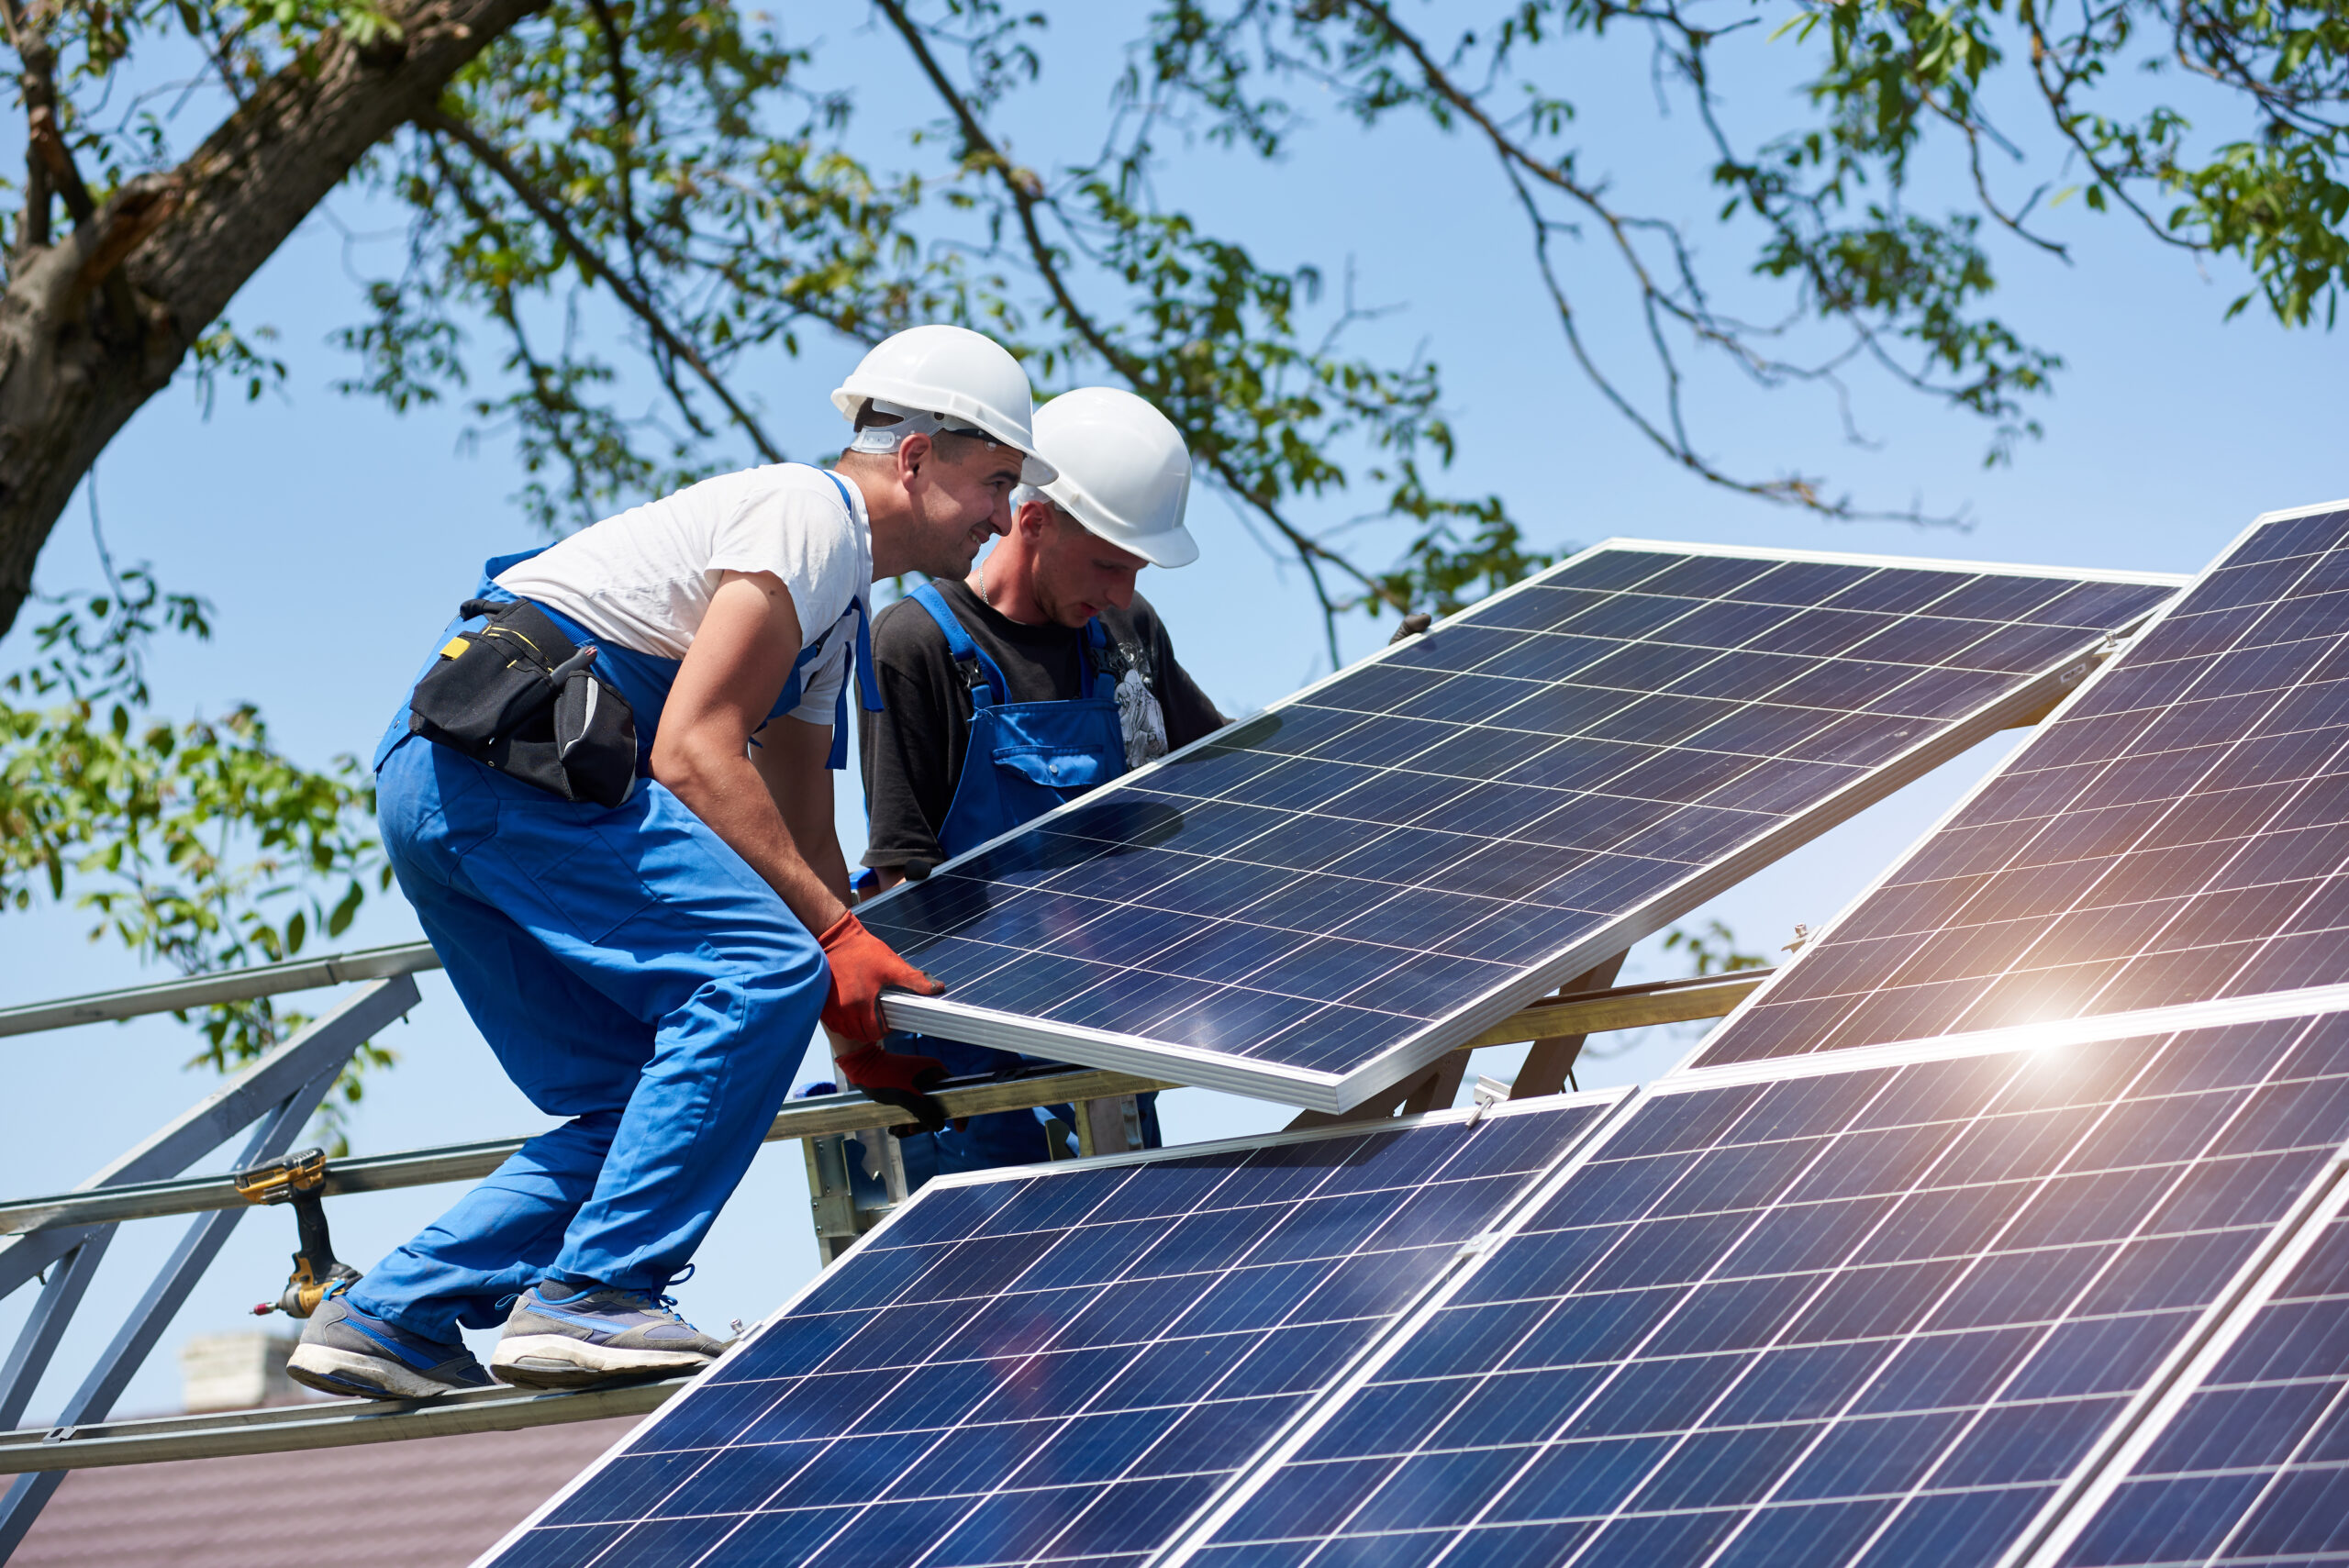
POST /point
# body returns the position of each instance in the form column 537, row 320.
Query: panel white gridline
column 1889, row 1315
column 1039, row 1365
column 1081, row 936
column 2243, row 1462
column 2175, row 831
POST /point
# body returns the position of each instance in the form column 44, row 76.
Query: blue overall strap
column 860, row 657
column 1091, row 679
column 959, row 644
column 868, row 690
column 497, row 566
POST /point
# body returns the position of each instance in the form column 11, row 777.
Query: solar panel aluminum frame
column 2071, row 1503
column 1761, row 994
column 2312, row 1002
column 1611, row 1104
column 1329, row 1092
column 2295, row 1238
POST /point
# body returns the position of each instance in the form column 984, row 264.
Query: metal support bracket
column 851, row 1187
column 280, row 1091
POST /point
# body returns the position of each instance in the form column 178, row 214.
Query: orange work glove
column 862, row 963
column 896, row 1080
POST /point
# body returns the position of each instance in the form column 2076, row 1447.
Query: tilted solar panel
column 1053, row 1364
column 2178, row 832
column 1886, row 1315
column 1318, row 901
column 2252, row 1466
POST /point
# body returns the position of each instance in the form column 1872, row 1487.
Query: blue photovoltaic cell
column 1871, row 1316
column 1045, row 1368
column 2254, row 1466
column 2179, row 835
column 1318, row 886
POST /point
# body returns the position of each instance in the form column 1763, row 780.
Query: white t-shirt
column 644, row 578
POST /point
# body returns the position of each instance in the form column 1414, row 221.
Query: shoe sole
column 347, row 1373
column 557, row 1360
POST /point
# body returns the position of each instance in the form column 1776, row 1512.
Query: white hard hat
column 965, row 376
column 1123, row 472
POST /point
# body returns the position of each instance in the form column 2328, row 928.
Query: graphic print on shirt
column 1139, row 718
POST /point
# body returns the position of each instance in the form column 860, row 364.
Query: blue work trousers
column 633, row 974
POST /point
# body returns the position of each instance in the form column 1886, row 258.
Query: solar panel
column 1316, row 902
column 2179, row 833
column 1052, row 1363
column 2249, row 1466
column 1885, row 1316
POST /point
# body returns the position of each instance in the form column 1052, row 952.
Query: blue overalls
column 631, row 972
column 1023, row 760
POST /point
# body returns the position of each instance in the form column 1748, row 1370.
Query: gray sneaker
column 599, row 1334
column 344, row 1351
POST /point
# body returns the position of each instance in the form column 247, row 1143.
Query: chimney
column 236, row 1372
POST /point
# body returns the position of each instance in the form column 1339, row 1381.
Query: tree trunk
column 79, row 353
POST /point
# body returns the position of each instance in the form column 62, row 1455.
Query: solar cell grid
column 1052, row 1366
column 1861, row 1316
column 1303, row 904
column 2254, row 1467
column 2179, row 833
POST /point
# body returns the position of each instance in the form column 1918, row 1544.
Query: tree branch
column 1519, row 163
column 193, row 238
column 1026, row 191
column 441, row 122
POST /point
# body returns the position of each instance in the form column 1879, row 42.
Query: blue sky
column 334, row 539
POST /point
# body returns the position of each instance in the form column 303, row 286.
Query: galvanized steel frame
column 275, row 1096
column 63, row 1237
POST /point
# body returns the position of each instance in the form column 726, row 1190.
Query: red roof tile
column 421, row 1504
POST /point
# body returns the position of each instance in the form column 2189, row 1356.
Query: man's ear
column 912, row 452
column 1033, row 519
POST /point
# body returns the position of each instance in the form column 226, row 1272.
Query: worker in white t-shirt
column 608, row 800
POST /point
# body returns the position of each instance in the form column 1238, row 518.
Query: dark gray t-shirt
column 913, row 751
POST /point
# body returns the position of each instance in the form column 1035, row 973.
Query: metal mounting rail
column 233, row 985
column 336, row 1423
column 1596, row 1012
column 813, row 1118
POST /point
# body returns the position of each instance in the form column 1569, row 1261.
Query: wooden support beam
column 1549, row 1063
column 1626, row 1007
column 1437, row 1087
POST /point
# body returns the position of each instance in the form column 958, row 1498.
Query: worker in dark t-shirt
column 1041, row 677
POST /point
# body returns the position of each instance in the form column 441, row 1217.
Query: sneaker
column 568, row 1337
column 344, row 1351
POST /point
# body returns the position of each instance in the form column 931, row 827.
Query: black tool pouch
column 520, row 696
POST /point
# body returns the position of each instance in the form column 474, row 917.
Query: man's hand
column 897, row 1081
column 862, row 963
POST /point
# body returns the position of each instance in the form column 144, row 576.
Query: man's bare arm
column 729, row 679
column 791, row 757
